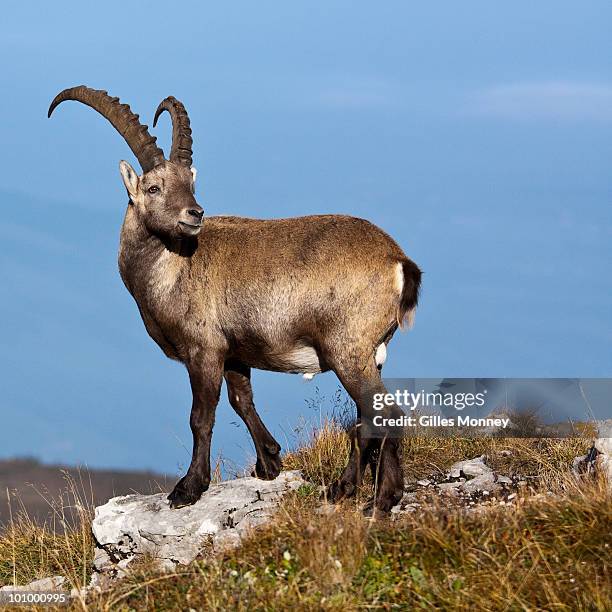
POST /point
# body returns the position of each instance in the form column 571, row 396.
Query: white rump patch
column 398, row 279
column 381, row 354
column 398, row 284
column 308, row 376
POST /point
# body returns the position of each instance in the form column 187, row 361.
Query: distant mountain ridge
column 31, row 484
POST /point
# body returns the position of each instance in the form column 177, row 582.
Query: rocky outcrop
column 468, row 483
column 134, row 525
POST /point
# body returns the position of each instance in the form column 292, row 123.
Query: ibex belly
column 298, row 358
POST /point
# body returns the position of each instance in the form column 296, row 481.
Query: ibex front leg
column 205, row 376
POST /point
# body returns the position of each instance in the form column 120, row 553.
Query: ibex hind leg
column 240, row 394
column 347, row 485
column 377, row 448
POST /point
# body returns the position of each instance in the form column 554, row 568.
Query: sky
column 479, row 135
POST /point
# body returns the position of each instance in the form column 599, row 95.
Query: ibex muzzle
column 227, row 294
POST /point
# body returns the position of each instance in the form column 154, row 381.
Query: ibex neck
column 150, row 266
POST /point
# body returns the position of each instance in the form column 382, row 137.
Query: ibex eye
column 153, row 189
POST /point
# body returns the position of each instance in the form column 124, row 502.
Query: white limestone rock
column 478, row 475
column 133, row 525
column 470, row 468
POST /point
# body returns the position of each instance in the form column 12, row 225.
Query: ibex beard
column 226, row 294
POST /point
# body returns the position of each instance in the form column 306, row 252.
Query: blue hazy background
column 478, row 134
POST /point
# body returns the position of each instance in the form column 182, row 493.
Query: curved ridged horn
column 182, row 142
column 122, row 118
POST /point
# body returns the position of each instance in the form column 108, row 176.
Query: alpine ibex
column 227, row 294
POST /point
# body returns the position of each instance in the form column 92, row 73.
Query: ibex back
column 227, row 294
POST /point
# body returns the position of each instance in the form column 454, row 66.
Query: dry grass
column 322, row 454
column 545, row 553
column 544, row 459
column 542, row 552
column 64, row 546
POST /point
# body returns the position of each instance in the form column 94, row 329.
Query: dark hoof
column 370, row 511
column 339, row 490
column 186, row 492
column 268, row 466
column 383, row 503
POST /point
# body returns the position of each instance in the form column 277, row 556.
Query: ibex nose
column 197, row 213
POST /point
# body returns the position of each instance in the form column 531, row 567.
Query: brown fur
column 256, row 289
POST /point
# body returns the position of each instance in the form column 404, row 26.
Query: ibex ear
column 130, row 178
